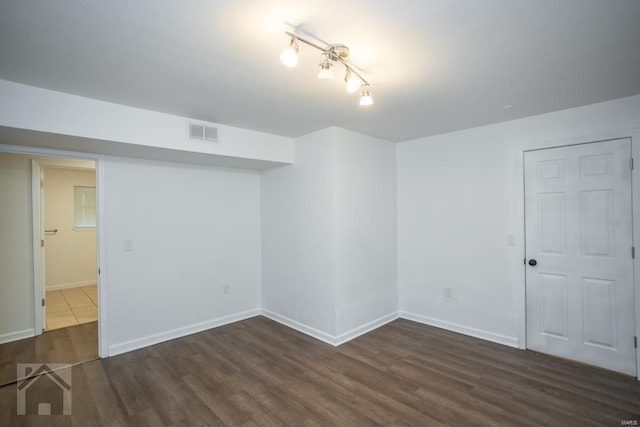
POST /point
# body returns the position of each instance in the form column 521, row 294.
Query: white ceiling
column 434, row 65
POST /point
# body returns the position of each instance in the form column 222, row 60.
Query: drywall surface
column 298, row 235
column 329, row 235
column 70, row 253
column 16, row 249
column 365, row 247
column 183, row 249
column 457, row 207
column 57, row 113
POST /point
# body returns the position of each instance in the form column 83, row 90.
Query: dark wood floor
column 257, row 372
column 69, row 345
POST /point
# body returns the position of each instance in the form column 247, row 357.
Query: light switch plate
column 128, row 245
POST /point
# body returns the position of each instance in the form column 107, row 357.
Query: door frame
column 519, row 151
column 101, row 277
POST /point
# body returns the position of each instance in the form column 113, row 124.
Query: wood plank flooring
column 259, row 373
column 69, row 345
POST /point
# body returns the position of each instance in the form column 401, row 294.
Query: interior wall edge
column 149, row 340
column 334, row 340
column 71, row 285
column 18, row 335
column 300, row 327
column 366, row 328
column 461, row 329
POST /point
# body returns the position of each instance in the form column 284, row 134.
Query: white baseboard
column 70, row 285
column 466, row 330
column 148, row 340
column 328, row 338
column 368, row 327
column 15, row 336
column 300, row 327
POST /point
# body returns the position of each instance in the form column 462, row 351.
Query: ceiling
column 434, row 65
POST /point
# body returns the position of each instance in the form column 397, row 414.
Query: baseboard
column 15, row 336
column 300, row 327
column 325, row 337
column 148, row 340
column 465, row 330
column 70, row 285
column 368, row 327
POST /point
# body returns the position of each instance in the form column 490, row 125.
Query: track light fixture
column 331, row 55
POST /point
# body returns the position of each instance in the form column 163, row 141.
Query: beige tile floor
column 74, row 306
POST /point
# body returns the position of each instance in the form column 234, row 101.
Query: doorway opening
column 54, row 307
column 68, row 245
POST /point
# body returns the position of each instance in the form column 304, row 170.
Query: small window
column 84, row 207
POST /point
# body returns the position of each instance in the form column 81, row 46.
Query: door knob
column 533, row 262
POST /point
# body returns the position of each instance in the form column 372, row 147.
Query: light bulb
column 289, row 57
column 365, row 96
column 353, row 83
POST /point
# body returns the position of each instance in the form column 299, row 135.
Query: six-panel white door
column 578, row 216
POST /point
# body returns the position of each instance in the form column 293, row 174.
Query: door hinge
column 41, row 184
column 635, row 342
column 43, row 302
column 631, row 163
column 98, row 272
column 42, row 243
column 633, row 252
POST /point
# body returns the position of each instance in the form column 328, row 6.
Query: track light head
column 325, row 68
column 289, row 57
column 365, row 96
column 352, row 81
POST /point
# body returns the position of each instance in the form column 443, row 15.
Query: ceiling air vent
column 202, row 133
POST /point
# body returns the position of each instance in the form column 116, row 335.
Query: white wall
column 457, row 202
column 298, row 233
column 194, row 229
column 31, row 108
column 365, row 230
column 328, row 236
column 16, row 256
column 70, row 254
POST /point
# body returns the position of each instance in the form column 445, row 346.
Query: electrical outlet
column 128, row 245
column 447, row 292
column 226, row 289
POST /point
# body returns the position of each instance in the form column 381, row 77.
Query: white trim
column 100, row 229
column 152, row 339
column 14, row 336
column 635, row 200
column 101, row 253
column 37, row 236
column 519, row 150
column 70, row 285
column 466, row 330
column 300, row 327
column 328, row 338
column 363, row 329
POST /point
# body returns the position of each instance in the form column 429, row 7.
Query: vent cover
column 202, row 133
